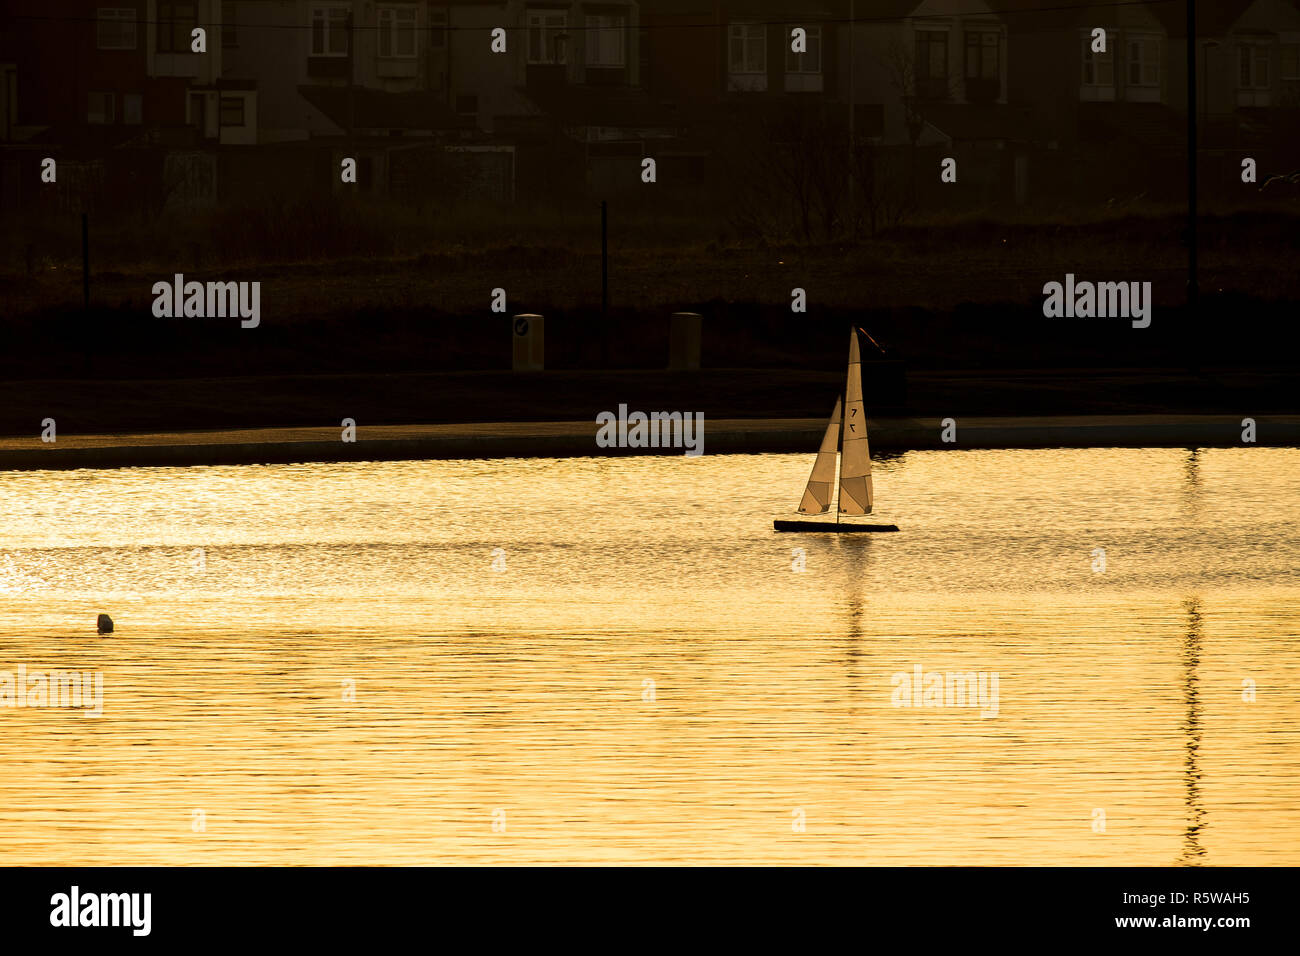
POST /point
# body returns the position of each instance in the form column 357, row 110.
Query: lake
column 615, row 660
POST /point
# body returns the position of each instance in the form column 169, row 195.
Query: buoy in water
column 104, row 625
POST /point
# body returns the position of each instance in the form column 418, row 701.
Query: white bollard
column 529, row 334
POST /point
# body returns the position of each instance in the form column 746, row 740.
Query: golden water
column 649, row 679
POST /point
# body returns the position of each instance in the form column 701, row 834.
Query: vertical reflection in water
column 1192, row 852
column 854, row 552
column 1192, row 484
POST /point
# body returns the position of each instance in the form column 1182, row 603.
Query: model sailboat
column 846, row 432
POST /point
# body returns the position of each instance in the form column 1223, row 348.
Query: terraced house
column 1248, row 67
column 122, row 121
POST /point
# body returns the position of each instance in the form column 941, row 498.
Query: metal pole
column 853, row 217
column 1192, row 279
column 604, row 261
column 604, row 284
column 85, row 262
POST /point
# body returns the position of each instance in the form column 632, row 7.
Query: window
column 810, row 61
column 982, row 55
column 1143, row 61
column 1098, row 68
column 932, row 64
column 232, row 111
column 132, row 109
column 546, row 36
column 605, row 40
column 175, row 23
column 747, row 48
column 329, row 31
column 229, row 30
column 983, row 68
column 115, row 28
column 397, row 31
column 1252, row 62
column 643, row 56
column 101, row 109
column 1288, row 72
column 438, row 29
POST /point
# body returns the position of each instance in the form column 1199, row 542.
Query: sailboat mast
column 839, row 465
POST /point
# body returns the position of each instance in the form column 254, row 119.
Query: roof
column 1150, row 125
column 360, row 108
column 769, row 9
column 614, row 106
column 1049, row 15
column 970, row 122
column 1213, row 17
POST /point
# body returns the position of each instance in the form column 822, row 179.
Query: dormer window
column 604, row 36
column 329, row 31
column 397, row 32
column 983, row 66
column 1143, row 60
column 747, row 57
column 803, row 71
column 1288, row 73
column 1098, row 78
column 546, row 36
column 115, row 28
column 176, row 21
column 1252, row 66
column 931, row 64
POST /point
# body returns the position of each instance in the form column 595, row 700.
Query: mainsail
column 817, row 496
column 855, row 467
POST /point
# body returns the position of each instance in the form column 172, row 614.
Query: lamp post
column 1192, row 283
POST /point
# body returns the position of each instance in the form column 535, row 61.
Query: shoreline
column 578, row 439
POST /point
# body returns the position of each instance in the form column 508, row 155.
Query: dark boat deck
column 832, row 527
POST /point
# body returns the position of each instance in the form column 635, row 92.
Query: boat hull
column 830, row 527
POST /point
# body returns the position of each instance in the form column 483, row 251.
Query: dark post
column 604, row 261
column 352, row 84
column 604, row 283
column 85, row 262
column 1192, row 280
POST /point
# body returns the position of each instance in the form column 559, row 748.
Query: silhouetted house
column 721, row 69
column 334, row 68
column 700, row 52
column 929, row 81
column 129, row 73
column 1085, row 91
column 1248, row 79
column 90, row 79
column 361, row 81
column 568, row 91
column 937, row 69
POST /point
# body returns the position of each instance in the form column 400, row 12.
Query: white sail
column 817, row 496
column 855, row 467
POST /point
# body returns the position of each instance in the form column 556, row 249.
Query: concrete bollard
column 684, row 341
column 529, row 343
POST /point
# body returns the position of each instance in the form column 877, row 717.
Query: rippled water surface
column 647, row 677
